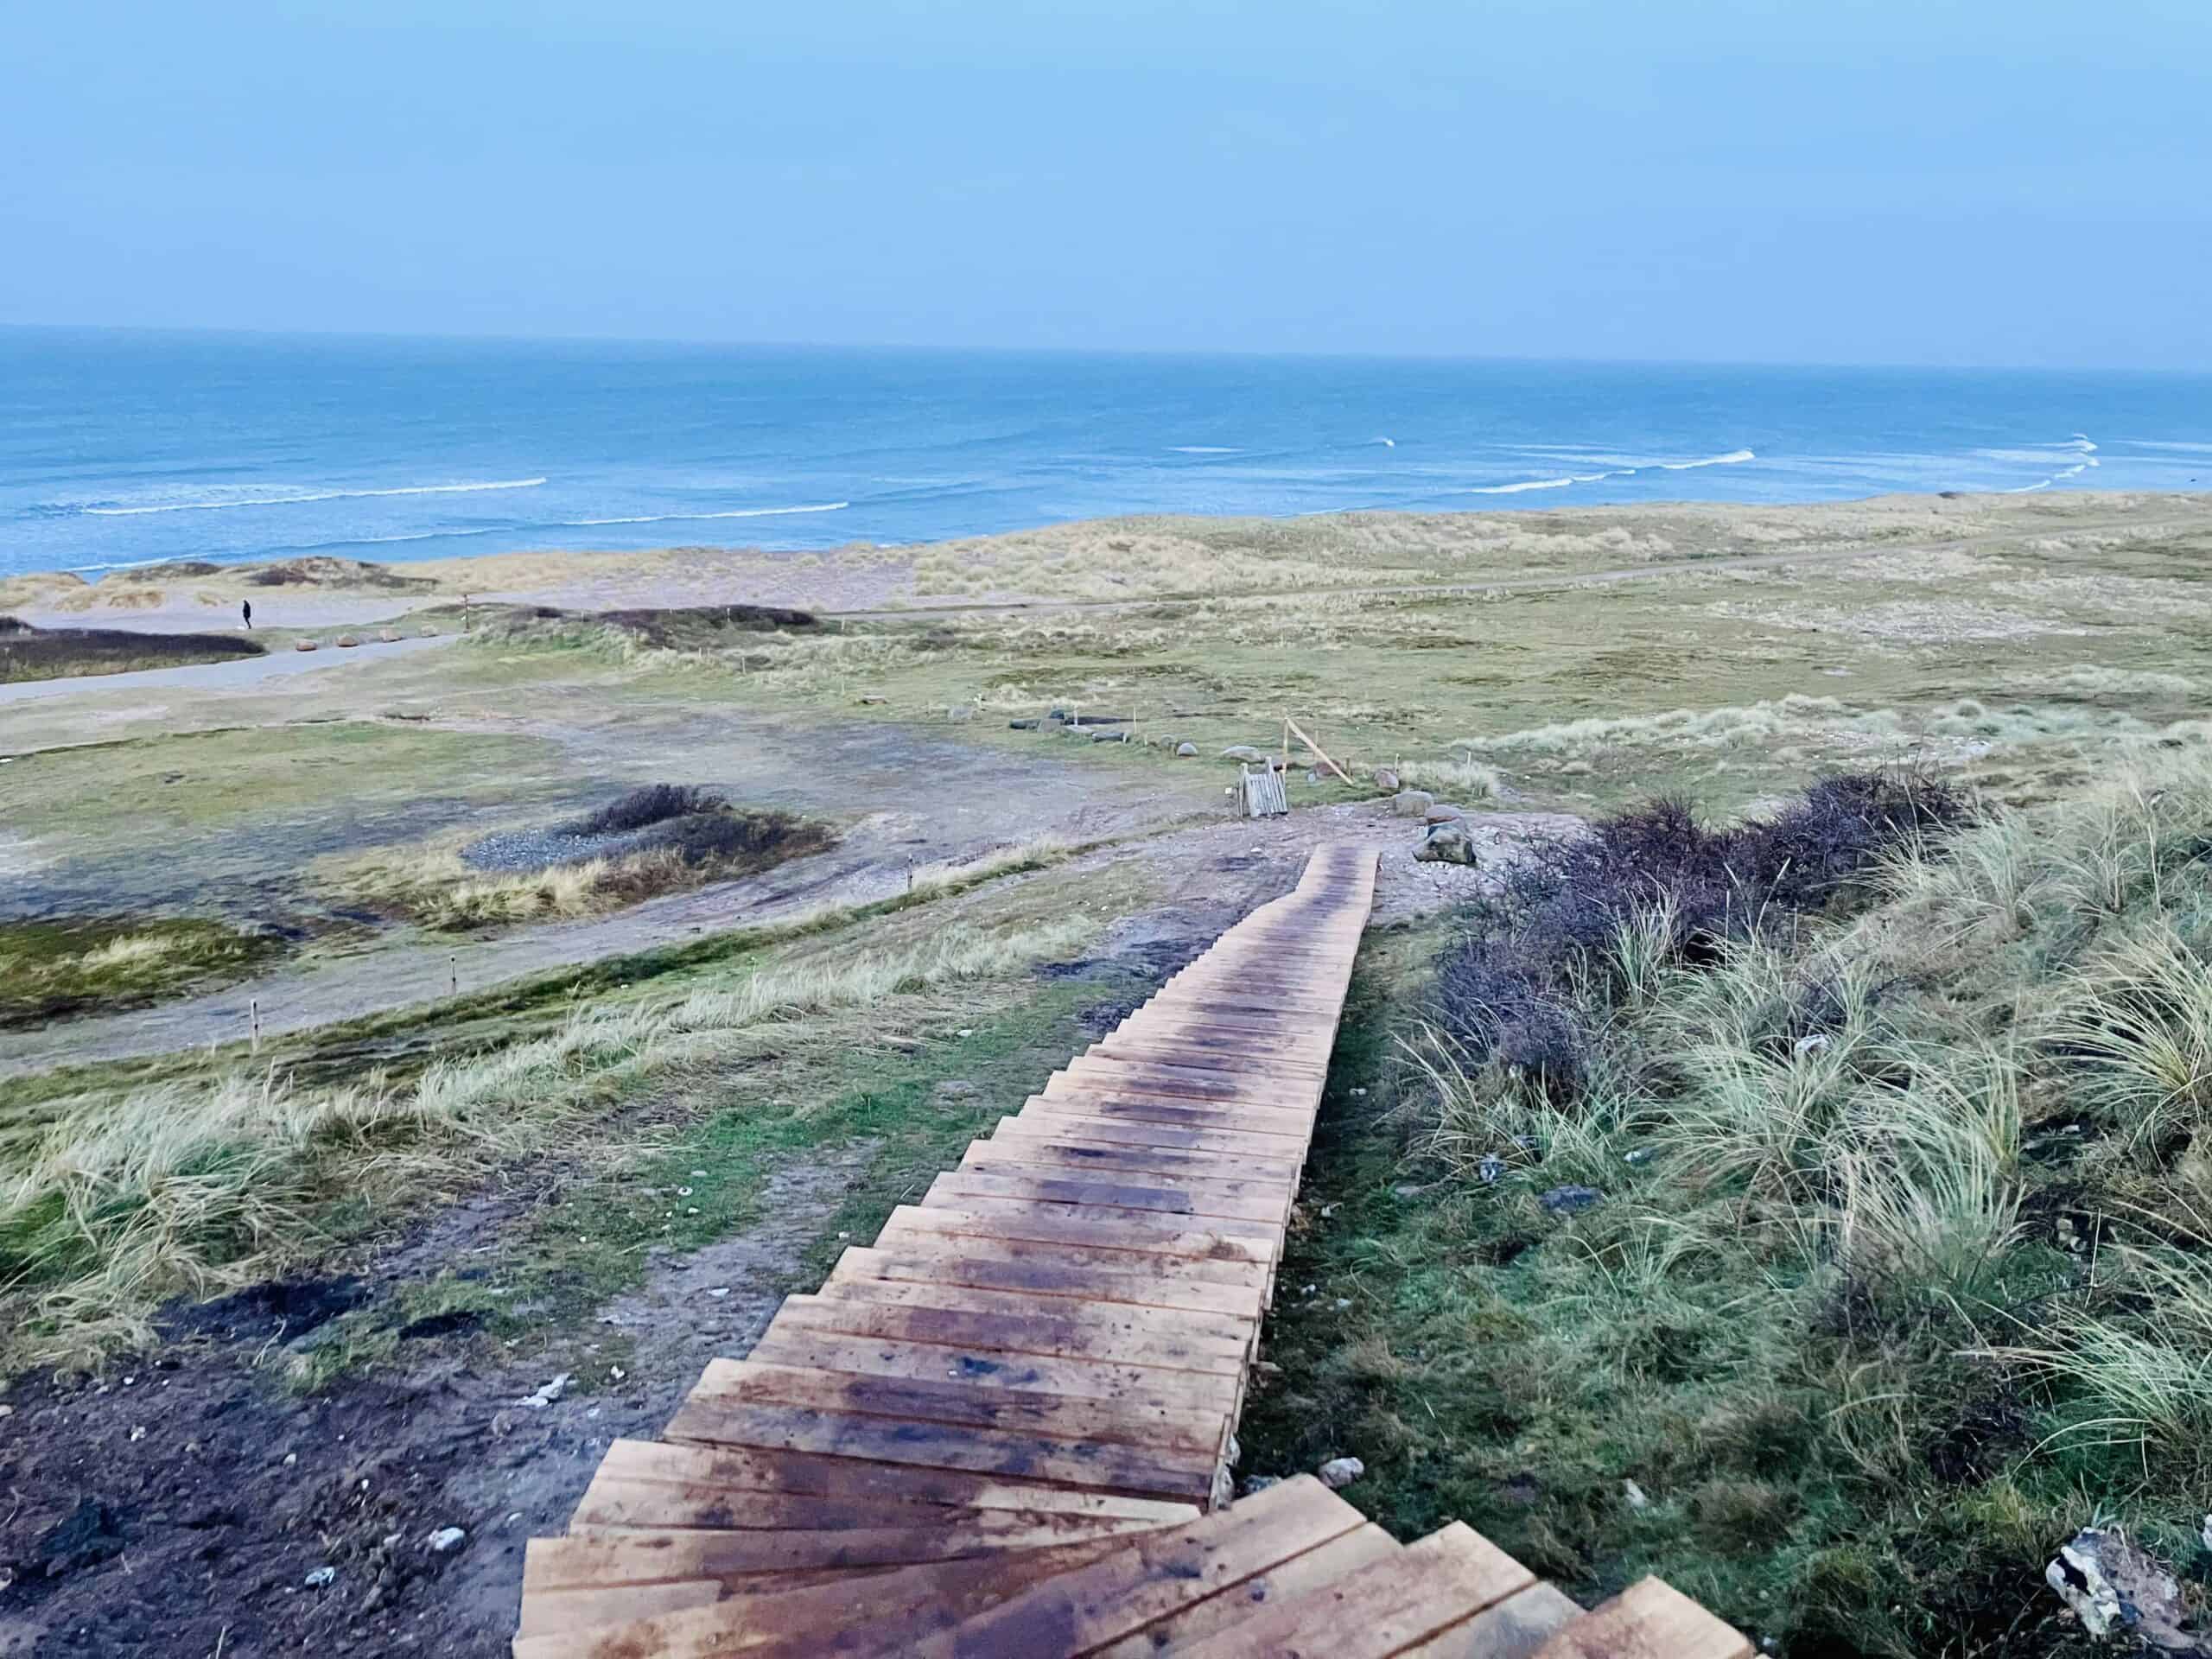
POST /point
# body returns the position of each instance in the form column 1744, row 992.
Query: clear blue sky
column 1840, row 180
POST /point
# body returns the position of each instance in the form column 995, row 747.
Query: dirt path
column 179, row 1509
column 237, row 671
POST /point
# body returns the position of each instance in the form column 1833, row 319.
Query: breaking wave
column 300, row 497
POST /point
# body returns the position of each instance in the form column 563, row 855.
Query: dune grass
column 1900, row 1275
column 52, row 970
column 194, row 1186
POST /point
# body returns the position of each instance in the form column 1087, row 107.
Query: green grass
column 1871, row 1326
column 149, row 794
column 52, row 969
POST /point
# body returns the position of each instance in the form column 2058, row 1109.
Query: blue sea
column 120, row 449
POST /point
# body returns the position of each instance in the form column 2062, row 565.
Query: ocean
column 121, row 449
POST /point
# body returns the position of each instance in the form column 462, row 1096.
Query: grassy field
column 2020, row 661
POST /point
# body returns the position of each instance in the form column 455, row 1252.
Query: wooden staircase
column 1005, row 1429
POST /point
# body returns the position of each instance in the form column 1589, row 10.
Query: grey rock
column 322, row 1577
column 1491, row 1168
column 1640, row 1157
column 1447, row 843
column 1109, row 737
column 1386, row 779
column 1570, row 1200
column 1258, row 1484
column 1186, row 751
column 1442, row 813
column 1412, row 803
column 445, row 1540
column 1021, row 724
column 1339, row 1472
column 2112, row 1586
column 955, row 1089
column 1247, row 753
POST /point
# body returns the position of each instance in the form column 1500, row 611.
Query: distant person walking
column 245, row 609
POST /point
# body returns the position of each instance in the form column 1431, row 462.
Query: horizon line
column 913, row 348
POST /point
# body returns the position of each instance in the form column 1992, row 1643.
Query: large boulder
column 1187, row 751
column 1247, row 753
column 1386, row 779
column 1412, row 803
column 1447, row 843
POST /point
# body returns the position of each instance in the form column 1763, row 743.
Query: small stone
column 1339, row 1472
column 1570, row 1200
column 1187, row 751
column 549, row 1392
column 1635, row 1495
column 291, row 1458
column 305, row 645
column 1814, row 1045
column 1253, row 1483
column 719, row 1291
column 445, row 1540
column 390, row 1541
column 322, row 1577
column 1386, row 779
column 1640, row 1156
column 387, row 637
column 1490, row 1169
column 7, row 1411
column 347, row 642
column 871, row 699
column 697, row 1173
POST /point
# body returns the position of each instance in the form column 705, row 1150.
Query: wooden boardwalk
column 1004, row 1429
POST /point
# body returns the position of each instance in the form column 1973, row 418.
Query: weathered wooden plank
column 1084, row 1277
column 1514, row 1629
column 818, row 1622
column 1649, row 1620
column 1228, row 1333
column 1128, row 1230
column 1004, row 1333
column 1149, row 1416
column 1264, row 1200
column 640, row 1483
column 1200, row 1243
column 1150, row 1580
column 1054, row 1121
column 959, row 1187
column 1316, row 1569
column 1014, row 1139
column 1380, row 1609
column 1290, row 1128
column 1075, row 1378
column 1160, row 1471
column 906, row 1238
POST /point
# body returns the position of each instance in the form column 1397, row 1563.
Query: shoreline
column 1087, row 562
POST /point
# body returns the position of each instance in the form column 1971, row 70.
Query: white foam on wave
column 1526, row 484
column 1733, row 458
column 687, row 517
column 303, row 496
column 1201, row 450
